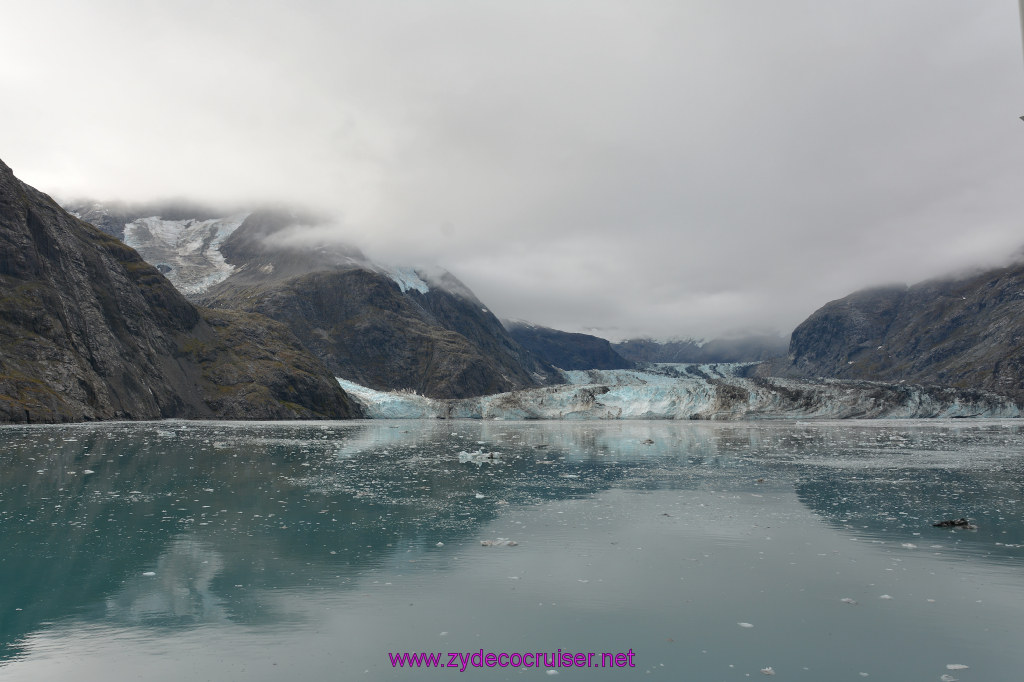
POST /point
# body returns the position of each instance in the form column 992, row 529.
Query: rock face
column 88, row 330
column 753, row 348
column 966, row 333
column 566, row 350
column 389, row 329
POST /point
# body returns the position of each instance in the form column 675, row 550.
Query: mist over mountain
column 113, row 216
column 89, row 330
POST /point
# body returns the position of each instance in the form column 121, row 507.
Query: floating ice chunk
column 440, row 544
column 767, row 671
column 949, row 678
column 499, row 542
column 908, row 545
column 956, row 666
column 885, row 596
column 552, row 672
column 88, row 471
column 479, row 457
column 479, row 496
column 745, row 625
column 149, row 574
column 847, row 600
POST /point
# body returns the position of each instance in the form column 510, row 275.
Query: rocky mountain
column 89, row 330
column 751, row 348
column 965, row 332
column 386, row 328
column 566, row 350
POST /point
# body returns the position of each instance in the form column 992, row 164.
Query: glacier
column 712, row 392
column 406, row 278
column 186, row 251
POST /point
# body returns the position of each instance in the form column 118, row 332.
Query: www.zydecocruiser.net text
column 461, row 660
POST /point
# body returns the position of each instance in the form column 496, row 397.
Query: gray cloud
column 658, row 168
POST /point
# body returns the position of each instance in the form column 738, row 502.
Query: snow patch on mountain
column 186, row 251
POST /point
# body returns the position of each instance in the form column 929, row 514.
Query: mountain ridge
column 566, row 350
column 966, row 332
column 748, row 348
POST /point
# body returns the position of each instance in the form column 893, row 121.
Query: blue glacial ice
column 714, row 392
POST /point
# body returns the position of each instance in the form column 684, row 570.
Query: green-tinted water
column 216, row 551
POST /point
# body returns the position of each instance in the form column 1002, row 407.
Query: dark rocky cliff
column 363, row 324
column 966, row 332
column 88, row 330
column 566, row 350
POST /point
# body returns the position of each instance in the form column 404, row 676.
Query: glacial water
column 712, row 551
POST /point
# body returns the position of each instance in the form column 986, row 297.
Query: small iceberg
column 479, row 457
column 499, row 542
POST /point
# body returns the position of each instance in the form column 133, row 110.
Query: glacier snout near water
column 714, row 392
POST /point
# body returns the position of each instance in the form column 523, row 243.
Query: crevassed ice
column 407, row 279
column 391, row 405
column 710, row 393
column 190, row 247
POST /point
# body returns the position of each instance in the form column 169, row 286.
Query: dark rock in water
column 954, row 523
column 88, row 330
column 566, row 350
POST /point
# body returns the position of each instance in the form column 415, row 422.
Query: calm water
column 228, row 551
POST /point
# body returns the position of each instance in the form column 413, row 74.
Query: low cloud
column 656, row 168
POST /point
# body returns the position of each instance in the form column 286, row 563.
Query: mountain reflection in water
column 184, row 525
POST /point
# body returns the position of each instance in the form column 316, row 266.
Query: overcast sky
column 679, row 168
